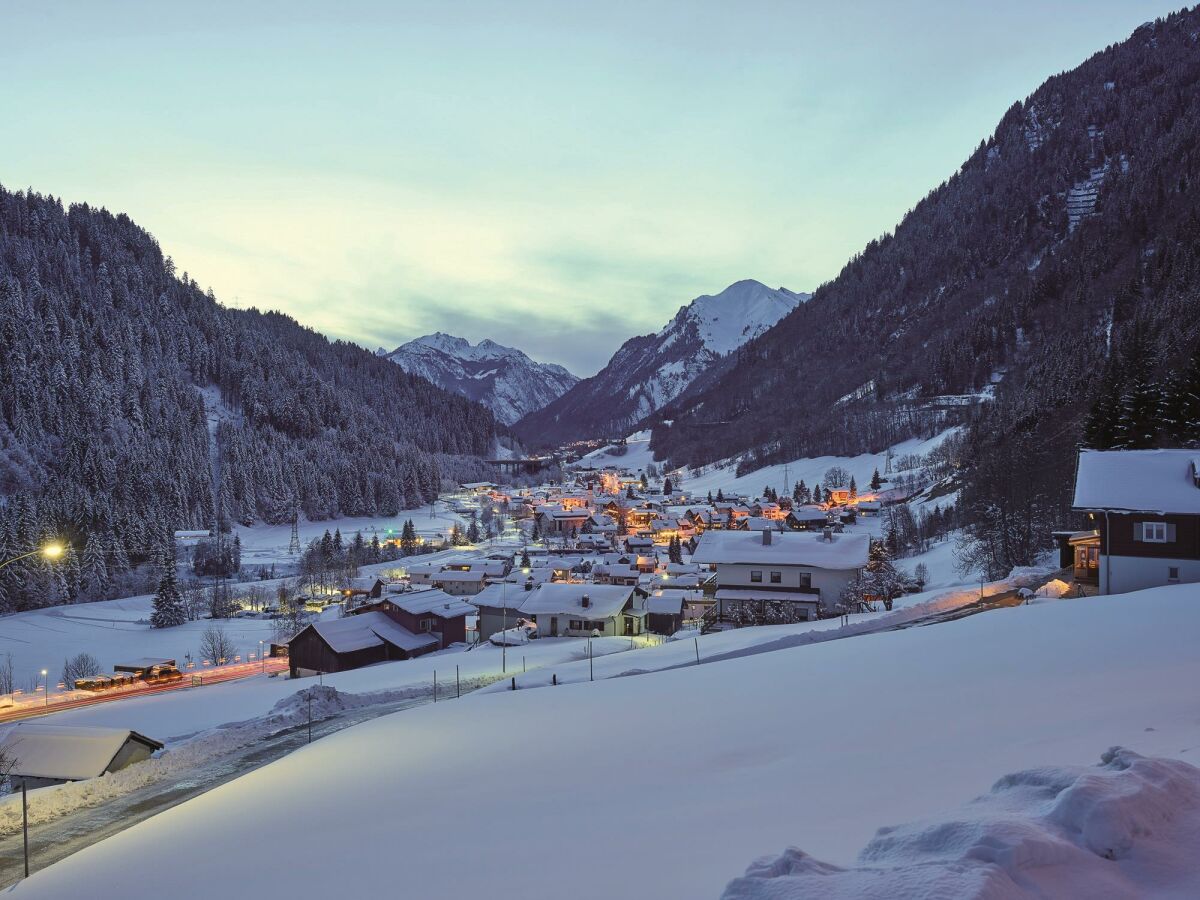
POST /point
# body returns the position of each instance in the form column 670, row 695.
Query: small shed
column 664, row 611
column 54, row 754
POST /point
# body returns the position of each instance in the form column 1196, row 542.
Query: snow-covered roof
column 1156, row 481
column 758, row 523
column 665, row 604
column 369, row 629
column 66, row 752
column 454, row 575
column 437, row 602
column 500, row 595
column 809, row 514
column 606, row 600
column 788, row 548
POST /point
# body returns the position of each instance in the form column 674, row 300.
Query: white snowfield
column 1122, row 830
column 669, row 784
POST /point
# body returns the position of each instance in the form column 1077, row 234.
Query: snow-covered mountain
column 503, row 379
column 650, row 371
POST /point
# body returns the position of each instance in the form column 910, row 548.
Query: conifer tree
column 168, row 600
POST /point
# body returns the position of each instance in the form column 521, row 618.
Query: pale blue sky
column 554, row 175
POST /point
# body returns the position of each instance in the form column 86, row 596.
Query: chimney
column 767, row 537
column 586, row 601
column 827, row 534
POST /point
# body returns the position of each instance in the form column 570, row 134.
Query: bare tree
column 836, row 477
column 81, row 665
column 194, row 601
column 7, row 681
column 8, row 762
column 216, row 645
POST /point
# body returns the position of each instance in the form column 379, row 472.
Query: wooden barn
column 352, row 642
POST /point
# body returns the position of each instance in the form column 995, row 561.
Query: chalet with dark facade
column 395, row 627
column 1145, row 507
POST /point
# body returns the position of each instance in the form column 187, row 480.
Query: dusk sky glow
column 554, row 176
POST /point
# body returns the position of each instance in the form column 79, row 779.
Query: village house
column 397, row 626
column 555, row 520
column 806, row 518
column 460, row 583
column 498, row 606
column 580, row 610
column 804, row 571
column 354, row 641
column 1145, row 506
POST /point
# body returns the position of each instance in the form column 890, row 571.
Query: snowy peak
column 738, row 314
column 650, row 371
column 502, row 378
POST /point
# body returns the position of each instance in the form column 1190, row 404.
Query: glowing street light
column 45, row 675
column 49, row 551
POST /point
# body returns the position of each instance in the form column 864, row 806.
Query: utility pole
column 294, row 543
column 786, row 468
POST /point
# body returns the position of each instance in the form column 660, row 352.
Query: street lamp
column 49, row 551
column 262, row 657
column 45, row 675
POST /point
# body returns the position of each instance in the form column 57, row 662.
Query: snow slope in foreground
column 1122, row 830
column 665, row 785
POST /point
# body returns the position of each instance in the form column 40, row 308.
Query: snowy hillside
column 731, row 753
column 502, row 378
column 650, row 371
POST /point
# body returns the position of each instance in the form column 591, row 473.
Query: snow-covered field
column 113, row 631
column 811, row 470
column 723, row 476
column 669, row 784
column 264, row 545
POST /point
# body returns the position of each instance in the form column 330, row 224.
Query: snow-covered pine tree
column 168, row 599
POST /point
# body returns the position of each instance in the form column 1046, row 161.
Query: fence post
column 457, row 684
column 25, row 823
column 514, row 683
column 435, row 685
column 696, row 641
column 554, row 679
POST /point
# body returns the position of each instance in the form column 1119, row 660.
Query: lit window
column 1154, row 532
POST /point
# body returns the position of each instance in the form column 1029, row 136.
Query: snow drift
column 1124, row 829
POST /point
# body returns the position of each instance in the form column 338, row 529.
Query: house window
column 1154, row 532
column 427, row 624
column 576, row 625
column 806, row 579
column 755, row 576
column 776, row 578
column 1172, row 573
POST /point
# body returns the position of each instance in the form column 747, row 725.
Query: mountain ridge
column 649, row 371
column 504, row 379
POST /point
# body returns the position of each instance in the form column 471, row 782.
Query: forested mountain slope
column 132, row 403
column 1067, row 243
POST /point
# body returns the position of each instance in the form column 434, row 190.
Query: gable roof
column 606, row 600
column 437, row 602
column 66, row 752
column 1152, row 481
column 368, row 629
column 787, row 548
